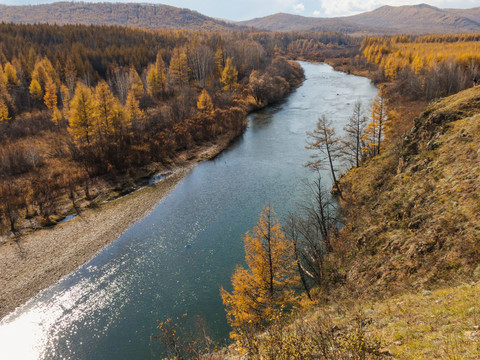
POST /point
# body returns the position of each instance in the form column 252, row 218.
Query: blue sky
column 247, row 9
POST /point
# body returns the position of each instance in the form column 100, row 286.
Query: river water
column 174, row 261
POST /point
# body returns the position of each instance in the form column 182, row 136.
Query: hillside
column 289, row 22
column 413, row 219
column 416, row 19
column 147, row 16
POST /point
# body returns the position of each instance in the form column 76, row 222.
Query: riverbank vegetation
column 88, row 109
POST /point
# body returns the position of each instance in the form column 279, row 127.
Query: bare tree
column 312, row 232
column 326, row 145
column 354, row 131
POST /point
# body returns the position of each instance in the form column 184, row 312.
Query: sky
column 248, row 9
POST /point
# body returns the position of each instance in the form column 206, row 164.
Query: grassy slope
column 414, row 209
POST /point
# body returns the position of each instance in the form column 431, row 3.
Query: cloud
column 316, row 13
column 299, row 7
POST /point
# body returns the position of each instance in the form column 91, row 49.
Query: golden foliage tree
column 10, row 74
column 35, row 90
column 82, row 115
column 219, row 63
column 50, row 97
column 268, row 284
column 378, row 127
column 4, row 116
column 179, row 70
column 161, row 73
column 105, row 110
column 132, row 108
column 229, row 75
column 204, row 102
column 136, row 84
column 153, row 81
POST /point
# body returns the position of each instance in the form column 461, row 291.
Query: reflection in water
column 175, row 260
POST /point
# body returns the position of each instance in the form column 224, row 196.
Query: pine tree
column 204, row 102
column 268, row 284
column 82, row 115
column 229, row 76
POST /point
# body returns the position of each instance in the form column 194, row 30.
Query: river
column 174, row 261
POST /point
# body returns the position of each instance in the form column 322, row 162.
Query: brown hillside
column 414, row 218
column 147, row 16
column 417, row 19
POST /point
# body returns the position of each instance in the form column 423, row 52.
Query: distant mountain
column 416, row 19
column 289, row 22
column 147, row 16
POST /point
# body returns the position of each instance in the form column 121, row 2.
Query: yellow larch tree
column 65, row 97
column 10, row 74
column 204, row 102
column 161, row 73
column 82, row 115
column 179, row 70
column 105, row 111
column 379, row 125
column 229, row 75
column 35, row 90
column 50, row 97
column 132, row 109
column 219, row 63
column 4, row 115
column 268, row 283
column 153, row 82
column 136, row 84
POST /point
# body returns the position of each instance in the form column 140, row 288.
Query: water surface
column 175, row 260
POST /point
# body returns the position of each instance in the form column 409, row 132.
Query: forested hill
column 147, row 16
column 416, row 19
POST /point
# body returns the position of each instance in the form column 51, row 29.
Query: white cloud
column 316, row 13
column 299, row 7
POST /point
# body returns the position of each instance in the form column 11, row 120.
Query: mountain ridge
column 148, row 16
column 389, row 20
column 411, row 19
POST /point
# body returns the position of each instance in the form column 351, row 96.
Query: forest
column 425, row 67
column 84, row 106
